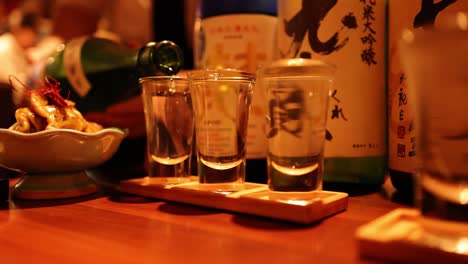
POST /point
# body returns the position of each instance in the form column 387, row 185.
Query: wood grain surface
column 110, row 227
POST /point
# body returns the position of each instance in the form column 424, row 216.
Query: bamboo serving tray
column 404, row 236
column 254, row 199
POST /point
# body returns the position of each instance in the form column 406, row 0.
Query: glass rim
column 298, row 68
column 220, row 74
column 162, row 78
column 286, row 77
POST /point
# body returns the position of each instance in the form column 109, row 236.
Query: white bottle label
column 216, row 115
column 73, row 68
column 243, row 42
column 401, row 131
column 350, row 35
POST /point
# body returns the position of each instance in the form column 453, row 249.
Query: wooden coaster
column 404, row 236
column 249, row 198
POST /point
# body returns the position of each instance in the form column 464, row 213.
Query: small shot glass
column 169, row 127
column 297, row 93
column 221, row 103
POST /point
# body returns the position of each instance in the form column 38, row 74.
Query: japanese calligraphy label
column 243, row 42
column 296, row 114
column 351, row 35
column 418, row 15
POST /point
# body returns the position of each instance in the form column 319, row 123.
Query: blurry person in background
column 19, row 31
column 28, row 21
column 23, row 25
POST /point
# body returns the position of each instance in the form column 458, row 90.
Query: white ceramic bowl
column 57, row 150
column 54, row 161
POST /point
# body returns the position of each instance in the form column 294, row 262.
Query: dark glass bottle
column 240, row 35
column 96, row 72
column 417, row 15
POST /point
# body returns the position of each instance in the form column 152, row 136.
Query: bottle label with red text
column 416, row 15
column 243, row 42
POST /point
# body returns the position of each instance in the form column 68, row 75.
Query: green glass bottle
column 95, row 72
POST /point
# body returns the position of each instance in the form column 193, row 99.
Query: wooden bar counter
column 111, row 227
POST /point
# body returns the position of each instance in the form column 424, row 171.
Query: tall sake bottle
column 96, row 72
column 416, row 15
column 351, row 35
column 240, row 35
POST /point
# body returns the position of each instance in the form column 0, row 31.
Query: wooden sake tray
column 404, row 236
column 254, row 199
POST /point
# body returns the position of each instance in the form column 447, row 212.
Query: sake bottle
column 96, row 72
column 240, row 35
column 416, row 15
column 351, row 36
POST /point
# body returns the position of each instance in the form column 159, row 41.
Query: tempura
column 46, row 109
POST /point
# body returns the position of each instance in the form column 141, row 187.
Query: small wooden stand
column 252, row 198
column 404, row 236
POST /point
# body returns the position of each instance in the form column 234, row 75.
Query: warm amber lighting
column 462, row 246
column 462, row 21
column 298, row 202
column 4, row 46
column 408, row 36
column 464, row 196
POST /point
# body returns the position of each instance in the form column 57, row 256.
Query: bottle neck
column 160, row 58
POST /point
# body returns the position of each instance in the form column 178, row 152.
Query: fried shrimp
column 46, row 110
column 27, row 121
